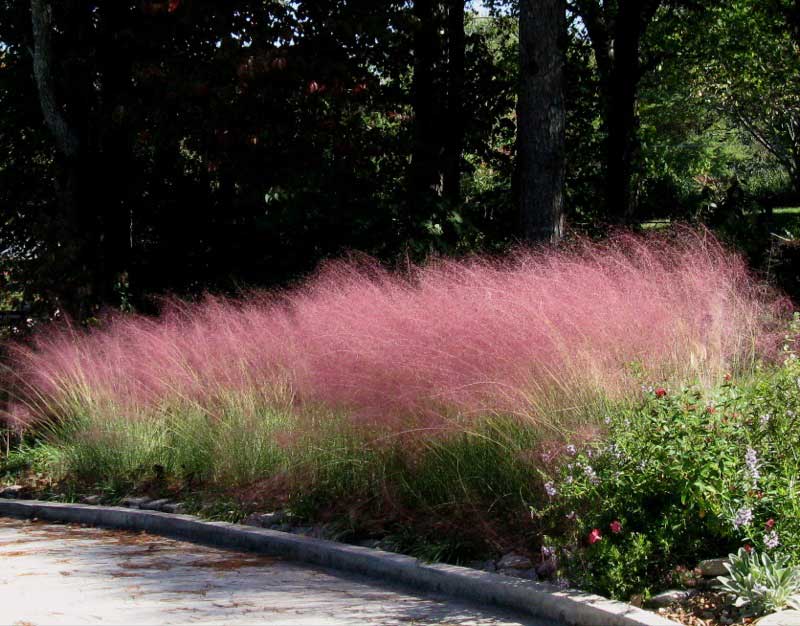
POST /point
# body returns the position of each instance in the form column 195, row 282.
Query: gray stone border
column 537, row 599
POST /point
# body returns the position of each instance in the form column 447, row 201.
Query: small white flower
column 550, row 489
column 744, row 517
column 571, row 450
column 613, row 450
column 771, row 540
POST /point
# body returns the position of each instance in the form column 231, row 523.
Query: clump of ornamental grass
column 361, row 370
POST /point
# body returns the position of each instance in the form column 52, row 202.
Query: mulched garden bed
column 707, row 608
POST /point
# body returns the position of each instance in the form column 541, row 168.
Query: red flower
column 727, row 378
column 315, row 87
column 661, row 392
column 595, row 536
column 711, row 409
column 748, row 548
column 770, row 523
column 174, row 5
column 615, row 527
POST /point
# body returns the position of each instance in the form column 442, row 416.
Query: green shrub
column 687, row 475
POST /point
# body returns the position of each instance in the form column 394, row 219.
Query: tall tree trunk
column 616, row 32
column 93, row 144
column 541, row 119
column 620, row 151
column 79, row 224
column 113, row 156
column 425, row 159
column 65, row 136
column 621, row 89
column 454, row 121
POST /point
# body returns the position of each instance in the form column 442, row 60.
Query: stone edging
column 537, row 599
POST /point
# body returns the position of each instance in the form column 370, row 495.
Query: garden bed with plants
column 610, row 414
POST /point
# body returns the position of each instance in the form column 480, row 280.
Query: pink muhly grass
column 534, row 335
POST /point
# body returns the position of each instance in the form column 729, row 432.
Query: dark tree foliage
column 184, row 146
column 217, row 144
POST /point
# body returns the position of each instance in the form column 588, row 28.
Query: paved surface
column 57, row 574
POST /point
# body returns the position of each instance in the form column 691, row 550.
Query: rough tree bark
column 541, row 119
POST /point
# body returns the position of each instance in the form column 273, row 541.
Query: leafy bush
column 688, row 475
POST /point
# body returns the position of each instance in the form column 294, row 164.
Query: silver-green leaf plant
column 761, row 583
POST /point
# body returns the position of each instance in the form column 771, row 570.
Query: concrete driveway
column 58, row 574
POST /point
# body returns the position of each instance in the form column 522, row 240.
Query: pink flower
column 748, row 548
column 770, row 523
column 595, row 536
column 615, row 527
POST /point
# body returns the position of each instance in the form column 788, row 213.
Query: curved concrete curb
column 536, row 599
